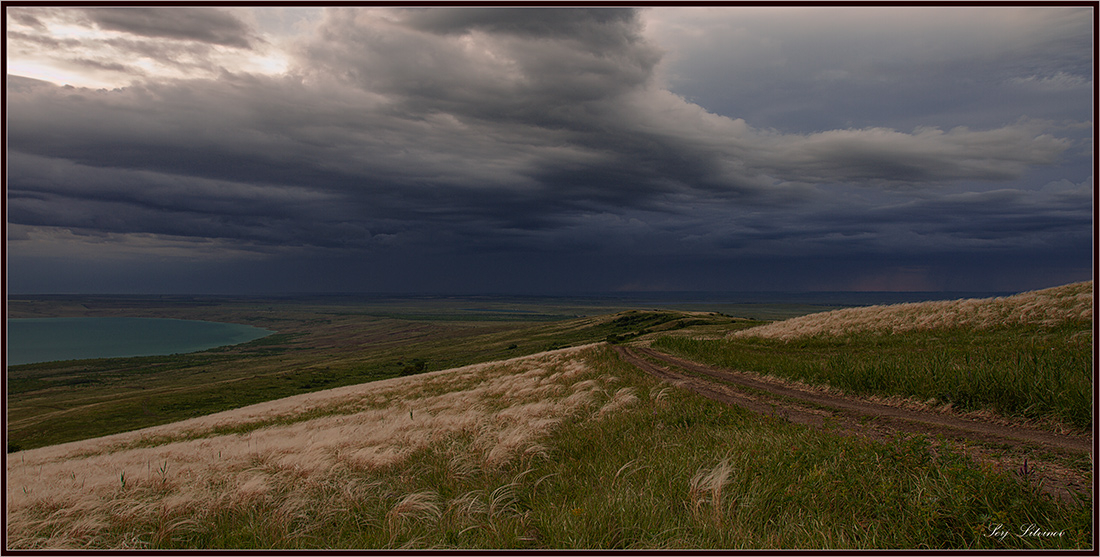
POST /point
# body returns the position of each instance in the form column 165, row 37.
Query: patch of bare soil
column 1036, row 455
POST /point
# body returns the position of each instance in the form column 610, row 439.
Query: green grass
column 673, row 470
column 1018, row 371
column 315, row 349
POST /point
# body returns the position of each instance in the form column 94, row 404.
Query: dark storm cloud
column 210, row 162
column 922, row 157
column 532, row 134
column 60, row 193
column 208, row 25
column 899, row 67
column 593, row 26
column 1003, row 219
column 996, row 221
column 555, row 78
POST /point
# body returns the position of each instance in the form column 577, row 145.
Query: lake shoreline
column 47, row 339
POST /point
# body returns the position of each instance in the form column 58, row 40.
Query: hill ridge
column 1048, row 308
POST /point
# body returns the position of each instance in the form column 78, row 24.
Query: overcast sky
column 531, row 150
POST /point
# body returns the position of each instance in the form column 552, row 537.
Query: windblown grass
column 1045, row 308
column 572, row 449
column 487, row 414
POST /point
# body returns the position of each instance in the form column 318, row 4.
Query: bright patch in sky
column 59, row 76
column 94, row 57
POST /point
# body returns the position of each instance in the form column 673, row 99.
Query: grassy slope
column 1052, row 307
column 617, row 460
column 316, row 348
column 1013, row 356
column 659, row 468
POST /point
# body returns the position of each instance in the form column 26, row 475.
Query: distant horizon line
column 591, row 293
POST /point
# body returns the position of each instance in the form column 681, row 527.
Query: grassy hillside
column 1025, row 357
column 357, row 431
column 316, row 348
column 1049, row 308
column 571, row 449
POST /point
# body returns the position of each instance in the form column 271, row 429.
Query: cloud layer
column 502, row 137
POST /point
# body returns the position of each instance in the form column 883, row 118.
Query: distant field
column 767, row 306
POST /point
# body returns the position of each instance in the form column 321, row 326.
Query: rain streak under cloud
column 537, row 150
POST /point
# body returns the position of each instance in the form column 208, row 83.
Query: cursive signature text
column 1000, row 531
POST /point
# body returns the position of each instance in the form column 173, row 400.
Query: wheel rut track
column 849, row 415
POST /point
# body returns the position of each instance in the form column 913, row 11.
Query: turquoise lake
column 73, row 338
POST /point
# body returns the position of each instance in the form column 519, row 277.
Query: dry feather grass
column 73, row 495
column 705, row 489
column 622, row 398
column 1047, row 308
column 419, row 506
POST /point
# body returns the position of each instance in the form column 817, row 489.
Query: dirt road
column 1044, row 452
